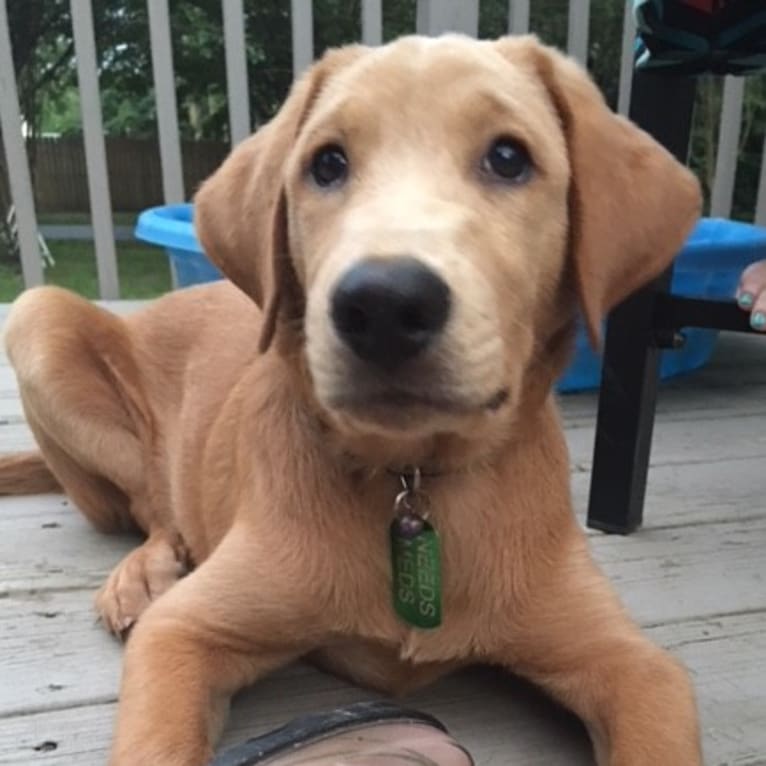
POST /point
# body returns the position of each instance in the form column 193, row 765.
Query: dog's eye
column 329, row 166
column 508, row 160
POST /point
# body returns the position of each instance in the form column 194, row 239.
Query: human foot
column 359, row 735
column 751, row 294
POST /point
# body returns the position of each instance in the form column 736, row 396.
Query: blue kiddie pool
column 172, row 227
column 708, row 266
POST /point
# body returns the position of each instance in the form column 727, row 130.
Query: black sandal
column 374, row 730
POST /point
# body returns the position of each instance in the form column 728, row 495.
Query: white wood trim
column 165, row 99
column 302, row 19
column 626, row 60
column 95, row 151
column 237, row 88
column 435, row 17
column 760, row 207
column 372, row 22
column 17, row 162
column 728, row 147
column 577, row 32
column 422, row 17
column 518, row 17
column 467, row 17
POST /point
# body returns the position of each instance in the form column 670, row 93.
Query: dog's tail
column 25, row 473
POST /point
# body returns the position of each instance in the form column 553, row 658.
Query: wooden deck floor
column 695, row 577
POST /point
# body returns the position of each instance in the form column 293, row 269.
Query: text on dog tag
column 416, row 569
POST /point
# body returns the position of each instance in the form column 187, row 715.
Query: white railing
column 95, row 150
column 16, row 160
column 433, row 17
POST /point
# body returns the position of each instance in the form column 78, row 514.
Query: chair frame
column 639, row 329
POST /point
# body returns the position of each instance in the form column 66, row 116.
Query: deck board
column 695, row 577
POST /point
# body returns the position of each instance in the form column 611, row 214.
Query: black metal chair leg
column 663, row 106
column 625, row 416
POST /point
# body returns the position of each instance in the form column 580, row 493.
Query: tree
column 43, row 55
column 199, row 63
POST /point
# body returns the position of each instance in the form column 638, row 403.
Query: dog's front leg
column 574, row 638
column 220, row 629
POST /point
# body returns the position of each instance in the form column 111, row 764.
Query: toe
column 141, row 577
column 124, row 596
column 752, row 285
column 758, row 313
column 107, row 605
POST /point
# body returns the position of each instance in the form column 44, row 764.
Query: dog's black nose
column 387, row 310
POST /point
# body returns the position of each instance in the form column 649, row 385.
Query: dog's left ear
column 631, row 203
column 240, row 212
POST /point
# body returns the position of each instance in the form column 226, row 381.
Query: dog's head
column 427, row 218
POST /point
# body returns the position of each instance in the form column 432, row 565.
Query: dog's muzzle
column 389, row 310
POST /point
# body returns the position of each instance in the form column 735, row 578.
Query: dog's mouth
column 379, row 404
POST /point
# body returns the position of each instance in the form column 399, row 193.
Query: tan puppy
column 411, row 237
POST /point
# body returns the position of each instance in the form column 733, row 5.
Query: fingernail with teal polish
column 758, row 320
column 745, row 300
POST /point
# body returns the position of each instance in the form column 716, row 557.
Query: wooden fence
column 133, row 171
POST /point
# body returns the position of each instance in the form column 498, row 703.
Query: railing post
column 518, row 17
column 722, row 194
column 165, row 99
column 236, row 70
column 302, row 18
column 438, row 16
column 760, row 207
column 626, row 59
column 577, row 32
column 16, row 159
column 95, row 152
column 372, row 22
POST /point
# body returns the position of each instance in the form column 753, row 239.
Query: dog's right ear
column 240, row 212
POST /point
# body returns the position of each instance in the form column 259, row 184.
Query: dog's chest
column 472, row 590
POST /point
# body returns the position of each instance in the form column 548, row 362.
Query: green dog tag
column 416, row 568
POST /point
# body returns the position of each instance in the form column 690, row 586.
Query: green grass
column 143, row 270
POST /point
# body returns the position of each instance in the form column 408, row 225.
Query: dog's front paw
column 141, row 577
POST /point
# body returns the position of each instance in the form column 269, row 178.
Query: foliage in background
column 43, row 55
column 42, row 52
